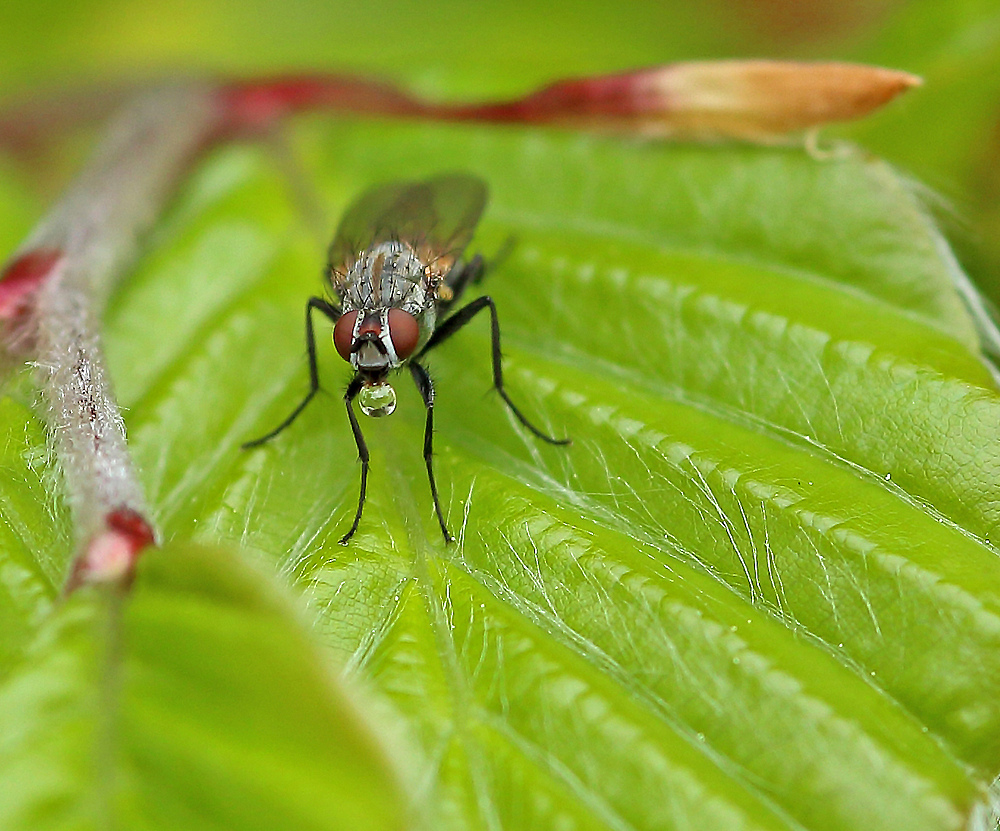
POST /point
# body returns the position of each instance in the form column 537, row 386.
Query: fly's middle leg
column 452, row 324
column 426, row 388
column 333, row 313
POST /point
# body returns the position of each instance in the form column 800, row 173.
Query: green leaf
column 194, row 702
column 758, row 589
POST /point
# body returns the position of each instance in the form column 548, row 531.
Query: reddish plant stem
column 751, row 100
column 754, row 100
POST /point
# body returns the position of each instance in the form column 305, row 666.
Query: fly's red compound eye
column 343, row 334
column 404, row 333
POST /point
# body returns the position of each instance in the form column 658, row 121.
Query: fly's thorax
column 388, row 275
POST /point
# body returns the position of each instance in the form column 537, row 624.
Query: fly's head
column 374, row 342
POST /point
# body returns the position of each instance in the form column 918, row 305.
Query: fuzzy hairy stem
column 92, row 236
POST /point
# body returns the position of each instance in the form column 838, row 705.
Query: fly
column 396, row 269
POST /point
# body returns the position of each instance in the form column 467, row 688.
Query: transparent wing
column 437, row 216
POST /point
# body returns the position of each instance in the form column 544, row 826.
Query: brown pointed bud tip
column 760, row 99
column 753, row 100
column 111, row 554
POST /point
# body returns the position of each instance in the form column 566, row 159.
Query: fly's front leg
column 352, row 392
column 456, row 322
column 333, row 313
column 426, row 388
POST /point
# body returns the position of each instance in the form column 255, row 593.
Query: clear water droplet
column 377, row 400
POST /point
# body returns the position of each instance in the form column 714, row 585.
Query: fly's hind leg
column 472, row 272
column 463, row 275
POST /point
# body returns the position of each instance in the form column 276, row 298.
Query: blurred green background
column 946, row 134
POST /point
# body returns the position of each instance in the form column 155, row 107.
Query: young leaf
column 197, row 702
